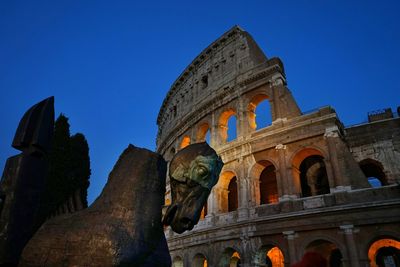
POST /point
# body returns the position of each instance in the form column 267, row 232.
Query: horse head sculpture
column 193, row 172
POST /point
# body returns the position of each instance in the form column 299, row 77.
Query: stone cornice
column 201, row 58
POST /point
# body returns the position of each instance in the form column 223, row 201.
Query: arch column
column 243, row 127
column 212, row 203
column 243, row 198
column 286, row 186
column 290, row 236
column 329, row 173
column 330, row 140
column 215, row 139
column 351, row 245
column 244, row 190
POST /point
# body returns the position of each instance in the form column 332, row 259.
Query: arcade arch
column 270, row 255
column 263, row 173
column 259, row 112
column 384, row 252
column 185, row 142
column 204, row 211
column 227, row 120
column 310, row 170
column 199, row 260
column 230, row 257
column 227, row 192
column 373, row 170
column 203, row 133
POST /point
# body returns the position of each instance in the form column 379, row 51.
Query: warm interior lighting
column 276, row 257
column 235, row 255
column 381, row 244
column 185, row 142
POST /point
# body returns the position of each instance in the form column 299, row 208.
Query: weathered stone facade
column 299, row 184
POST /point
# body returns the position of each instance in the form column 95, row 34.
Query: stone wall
column 324, row 198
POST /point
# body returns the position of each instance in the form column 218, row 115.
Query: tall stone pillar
column 330, row 136
column 290, row 236
column 242, row 122
column 244, row 189
column 243, row 205
column 215, row 139
column 351, row 246
column 286, row 186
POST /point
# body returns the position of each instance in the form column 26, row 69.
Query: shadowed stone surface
column 121, row 228
column 23, row 181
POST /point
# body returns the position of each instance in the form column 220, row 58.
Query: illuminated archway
column 204, row 211
column 373, row 170
column 226, row 191
column 268, row 185
column 185, row 142
column 227, row 116
column 230, row 257
column 199, row 261
column 384, row 252
column 269, row 256
column 310, row 171
column 259, row 112
column 232, row 194
column 203, row 133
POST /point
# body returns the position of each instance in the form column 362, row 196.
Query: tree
column 69, row 171
column 80, row 165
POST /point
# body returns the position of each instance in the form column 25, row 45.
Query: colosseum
column 304, row 182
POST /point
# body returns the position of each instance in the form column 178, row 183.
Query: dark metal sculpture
column 193, row 172
column 123, row 226
column 23, row 181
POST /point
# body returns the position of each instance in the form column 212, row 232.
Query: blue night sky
column 109, row 64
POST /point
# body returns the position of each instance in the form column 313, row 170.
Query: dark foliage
column 69, row 171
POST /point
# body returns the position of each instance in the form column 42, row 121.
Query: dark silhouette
column 23, row 181
column 68, row 177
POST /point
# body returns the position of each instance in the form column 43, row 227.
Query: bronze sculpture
column 123, row 226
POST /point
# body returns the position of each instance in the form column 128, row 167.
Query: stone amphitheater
column 305, row 182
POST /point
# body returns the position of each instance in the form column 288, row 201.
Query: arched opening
column 177, row 262
column 232, row 195
column 268, row 185
column 313, row 176
column 203, row 133
column 185, row 142
column 310, row 171
column 373, row 170
column 226, row 192
column 384, row 252
column 203, row 213
column 199, row 261
column 230, row 258
column 227, row 126
column 259, row 112
column 328, row 250
column 232, row 131
column 269, row 256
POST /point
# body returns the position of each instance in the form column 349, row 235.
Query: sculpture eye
column 202, row 171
